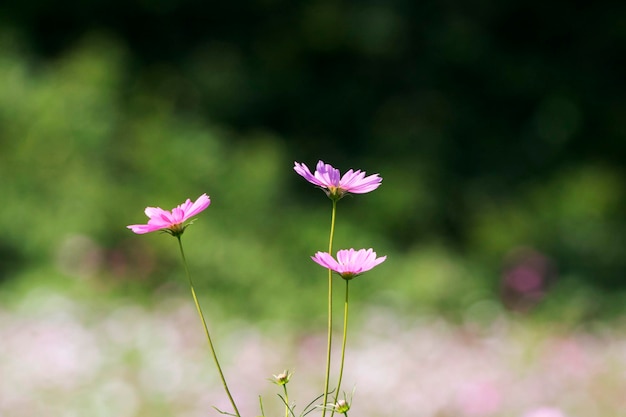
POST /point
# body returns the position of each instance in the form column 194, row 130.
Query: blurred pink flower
column 171, row 222
column 545, row 412
column 335, row 185
column 479, row 398
column 349, row 263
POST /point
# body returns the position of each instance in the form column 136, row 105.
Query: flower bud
column 282, row 378
column 342, row 406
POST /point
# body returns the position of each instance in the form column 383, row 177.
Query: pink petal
column 201, row 203
column 326, row 260
column 153, row 211
column 178, row 214
column 185, row 206
column 143, row 228
column 163, row 219
column 344, row 256
column 304, row 171
column 349, row 261
column 358, row 183
column 327, row 175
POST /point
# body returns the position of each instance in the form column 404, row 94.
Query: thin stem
column 330, row 306
column 343, row 344
column 206, row 329
column 261, row 405
column 286, row 401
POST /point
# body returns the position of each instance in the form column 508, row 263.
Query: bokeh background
column 499, row 132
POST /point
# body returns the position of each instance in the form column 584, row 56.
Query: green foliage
column 86, row 144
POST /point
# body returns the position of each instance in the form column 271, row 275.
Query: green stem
column 206, row 329
column 330, row 307
column 343, row 344
column 286, row 401
column 261, row 405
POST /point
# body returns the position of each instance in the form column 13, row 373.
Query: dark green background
column 494, row 125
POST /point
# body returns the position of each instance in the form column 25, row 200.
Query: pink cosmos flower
column 335, row 185
column 171, row 222
column 349, row 263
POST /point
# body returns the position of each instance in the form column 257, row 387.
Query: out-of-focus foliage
column 498, row 131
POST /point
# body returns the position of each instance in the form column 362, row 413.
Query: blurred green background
column 498, row 129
